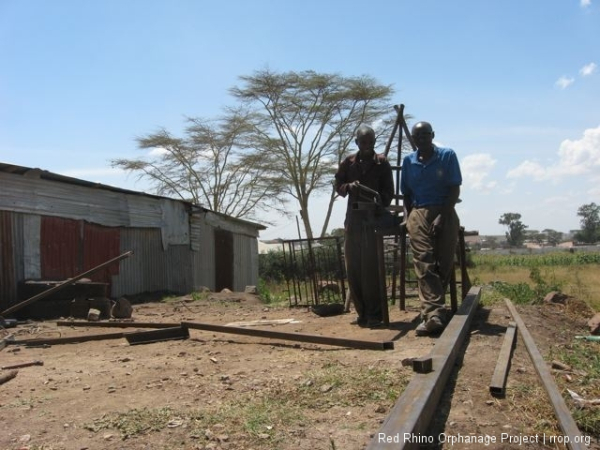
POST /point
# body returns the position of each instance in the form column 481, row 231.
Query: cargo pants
column 433, row 257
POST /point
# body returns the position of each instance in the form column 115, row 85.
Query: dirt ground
column 197, row 393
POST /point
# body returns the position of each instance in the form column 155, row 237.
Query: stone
column 251, row 290
column 80, row 306
column 555, row 297
column 594, row 324
column 121, row 309
column 93, row 315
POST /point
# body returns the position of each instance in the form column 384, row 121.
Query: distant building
column 273, row 245
column 54, row 227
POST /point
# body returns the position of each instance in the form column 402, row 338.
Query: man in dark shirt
column 364, row 168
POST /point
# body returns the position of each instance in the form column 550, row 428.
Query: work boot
column 432, row 326
column 360, row 321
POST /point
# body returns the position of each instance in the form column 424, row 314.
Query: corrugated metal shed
column 54, row 227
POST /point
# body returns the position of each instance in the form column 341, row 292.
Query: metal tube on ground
column 412, row 413
column 565, row 419
column 314, row 339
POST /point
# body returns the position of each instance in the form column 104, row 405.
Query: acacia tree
column 304, row 124
column 590, row 223
column 515, row 236
column 211, row 166
column 553, row 237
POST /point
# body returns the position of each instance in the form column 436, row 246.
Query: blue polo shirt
column 427, row 183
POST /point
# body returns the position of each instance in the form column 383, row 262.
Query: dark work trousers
column 433, row 258
column 362, row 266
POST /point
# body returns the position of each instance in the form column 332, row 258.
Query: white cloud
column 575, row 158
column 585, row 3
column 588, row 69
column 529, row 169
column 475, row 171
column 157, row 151
column 564, row 82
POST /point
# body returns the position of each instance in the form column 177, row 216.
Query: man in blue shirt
column 430, row 187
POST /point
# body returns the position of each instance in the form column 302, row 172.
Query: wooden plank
column 314, row 339
column 565, row 419
column 415, row 408
column 498, row 383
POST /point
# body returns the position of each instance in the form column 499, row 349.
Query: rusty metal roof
column 51, row 176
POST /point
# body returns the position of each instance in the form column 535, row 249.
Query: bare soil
column 225, row 391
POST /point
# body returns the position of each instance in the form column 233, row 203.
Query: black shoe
column 428, row 327
column 375, row 323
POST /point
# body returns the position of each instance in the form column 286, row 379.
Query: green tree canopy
column 305, row 123
column 553, row 237
column 212, row 166
column 590, row 223
column 515, row 236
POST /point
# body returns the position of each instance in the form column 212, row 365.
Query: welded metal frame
column 308, row 264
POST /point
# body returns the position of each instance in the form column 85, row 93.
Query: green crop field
column 574, row 274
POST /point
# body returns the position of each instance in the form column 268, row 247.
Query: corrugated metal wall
column 245, row 261
column 151, row 268
column 60, row 243
column 54, row 230
column 17, row 234
column 203, row 243
column 100, row 244
column 8, row 256
column 69, row 247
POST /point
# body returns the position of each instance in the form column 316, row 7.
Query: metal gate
column 314, row 271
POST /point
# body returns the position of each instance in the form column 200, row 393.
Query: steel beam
column 414, row 410
column 565, row 419
column 8, row 376
column 67, row 339
column 164, row 334
column 83, row 323
column 311, row 338
column 498, row 383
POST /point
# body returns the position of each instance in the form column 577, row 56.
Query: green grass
column 526, row 279
column 584, row 358
column 268, row 415
column 274, row 294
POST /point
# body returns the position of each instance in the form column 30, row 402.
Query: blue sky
column 512, row 86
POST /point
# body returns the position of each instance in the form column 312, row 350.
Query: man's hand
column 437, row 225
column 354, row 187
